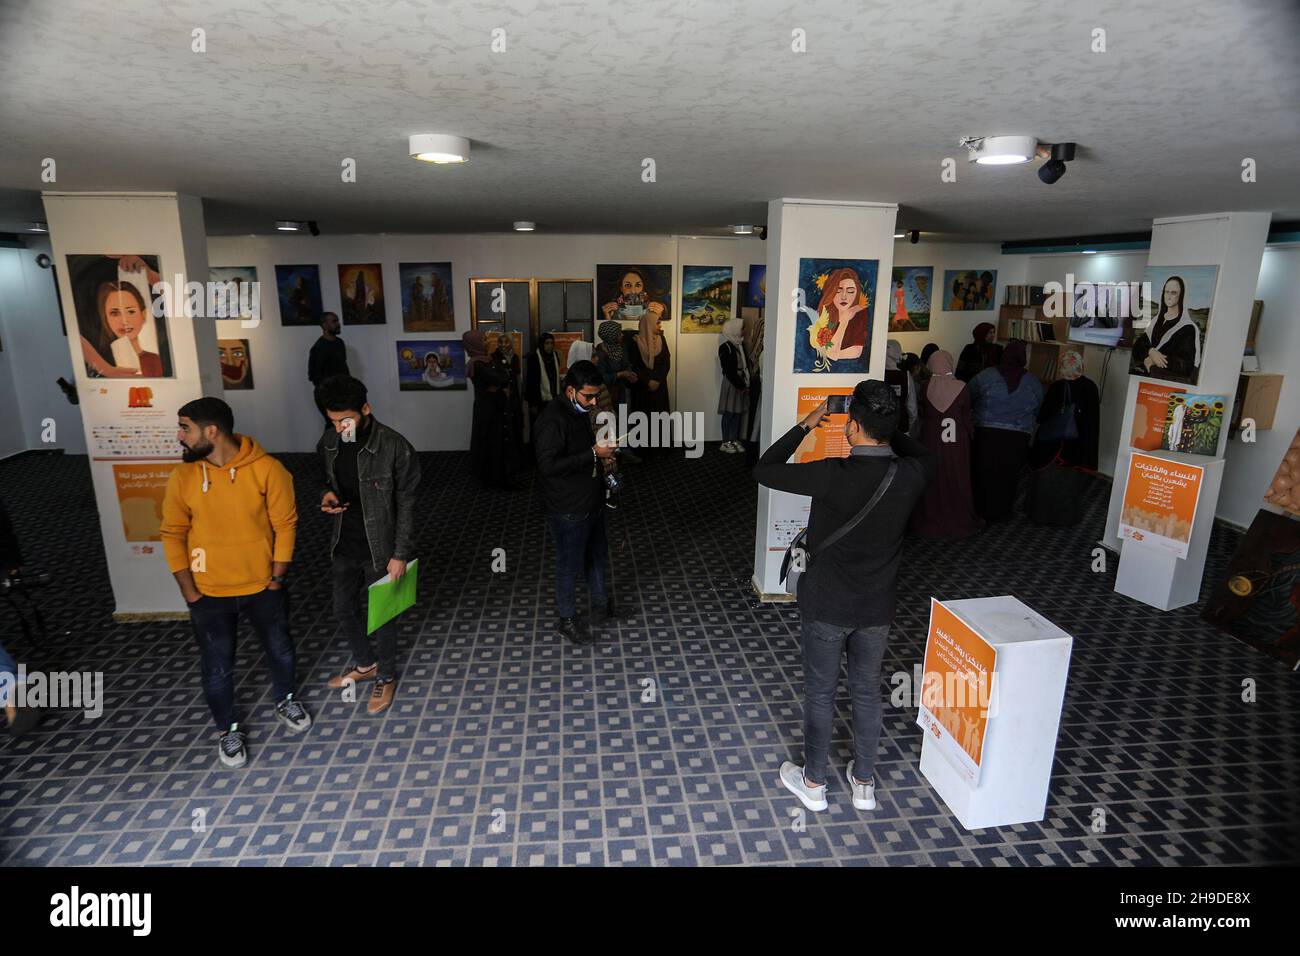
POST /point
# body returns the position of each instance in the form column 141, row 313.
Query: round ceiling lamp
column 525, row 226
column 1004, row 150
column 439, row 148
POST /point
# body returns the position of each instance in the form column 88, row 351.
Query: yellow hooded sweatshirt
column 240, row 517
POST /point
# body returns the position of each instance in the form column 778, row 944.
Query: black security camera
column 1054, row 168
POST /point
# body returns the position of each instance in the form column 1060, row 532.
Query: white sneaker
column 864, row 794
column 732, row 446
column 814, row 798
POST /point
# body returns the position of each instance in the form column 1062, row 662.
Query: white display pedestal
column 1020, row 742
column 1160, row 578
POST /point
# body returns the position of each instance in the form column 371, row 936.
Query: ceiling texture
column 711, row 90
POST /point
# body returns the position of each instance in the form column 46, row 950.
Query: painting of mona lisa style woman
column 120, row 335
column 1172, row 345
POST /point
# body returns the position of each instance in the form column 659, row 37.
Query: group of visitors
column 987, row 418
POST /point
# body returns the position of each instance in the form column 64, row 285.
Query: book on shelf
column 1024, row 295
column 1031, row 330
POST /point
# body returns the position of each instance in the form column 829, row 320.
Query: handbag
column 1062, row 426
column 798, row 556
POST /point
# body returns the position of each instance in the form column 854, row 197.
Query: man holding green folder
column 371, row 474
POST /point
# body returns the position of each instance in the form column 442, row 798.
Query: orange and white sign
column 957, row 690
column 1149, row 414
column 562, row 342
column 1160, row 498
column 140, row 490
column 827, row 440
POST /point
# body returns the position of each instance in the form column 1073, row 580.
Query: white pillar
column 130, row 422
column 803, row 229
column 1235, row 243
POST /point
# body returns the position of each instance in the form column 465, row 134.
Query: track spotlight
column 914, row 236
column 1054, row 168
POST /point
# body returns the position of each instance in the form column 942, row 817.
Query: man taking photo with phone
column 371, row 474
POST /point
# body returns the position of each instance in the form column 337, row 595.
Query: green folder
column 389, row 598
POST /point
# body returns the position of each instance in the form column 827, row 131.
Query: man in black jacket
column 573, row 497
column 846, row 595
column 371, row 476
column 328, row 357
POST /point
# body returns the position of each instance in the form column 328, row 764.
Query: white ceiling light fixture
column 441, row 149
column 742, row 230
column 38, row 227
column 289, row 225
column 524, row 226
column 899, row 235
column 1000, row 150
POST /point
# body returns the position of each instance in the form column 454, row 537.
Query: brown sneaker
column 381, row 698
column 356, row 675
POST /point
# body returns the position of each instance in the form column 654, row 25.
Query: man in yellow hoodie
column 228, row 527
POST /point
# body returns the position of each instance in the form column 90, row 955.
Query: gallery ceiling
column 562, row 120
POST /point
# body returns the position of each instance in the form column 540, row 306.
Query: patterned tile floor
column 509, row 747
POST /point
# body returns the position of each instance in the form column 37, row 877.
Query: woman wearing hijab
column 977, row 355
column 904, row 386
column 613, row 361
column 1171, row 348
column 947, row 510
column 1006, row 399
column 733, row 397
column 493, row 449
column 650, row 360
column 1065, row 448
column 542, row 381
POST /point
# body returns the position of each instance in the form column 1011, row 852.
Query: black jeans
column 823, row 650
column 216, row 623
column 580, row 546
column 351, row 579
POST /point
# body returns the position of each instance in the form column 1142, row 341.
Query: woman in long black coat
column 1063, row 457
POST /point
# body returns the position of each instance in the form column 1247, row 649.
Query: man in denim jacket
column 371, row 476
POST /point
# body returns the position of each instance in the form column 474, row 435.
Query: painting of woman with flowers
column 834, row 305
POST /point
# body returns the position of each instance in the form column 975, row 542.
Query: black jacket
column 325, row 359
column 569, row 481
column 729, row 359
column 533, row 378
column 852, row 583
column 388, row 473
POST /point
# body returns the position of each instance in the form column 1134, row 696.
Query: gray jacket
column 389, row 473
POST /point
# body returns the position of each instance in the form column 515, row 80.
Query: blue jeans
column 216, row 622
column 731, row 425
column 823, row 650
column 7, row 666
column 580, row 546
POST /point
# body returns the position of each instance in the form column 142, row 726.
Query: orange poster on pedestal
column 140, row 490
column 827, row 440
column 1160, row 498
column 1149, row 414
column 957, row 690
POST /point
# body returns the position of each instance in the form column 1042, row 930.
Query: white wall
column 951, row 331
column 35, row 355
column 1251, row 465
column 279, row 410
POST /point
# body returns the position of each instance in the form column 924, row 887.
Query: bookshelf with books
column 1048, row 338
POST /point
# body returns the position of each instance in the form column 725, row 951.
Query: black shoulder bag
column 798, row 557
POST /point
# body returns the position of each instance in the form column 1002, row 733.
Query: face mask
column 578, row 409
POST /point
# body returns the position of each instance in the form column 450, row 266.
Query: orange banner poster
column 827, row 440
column 562, row 342
column 1149, row 414
column 1160, row 498
column 957, row 690
column 140, row 491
